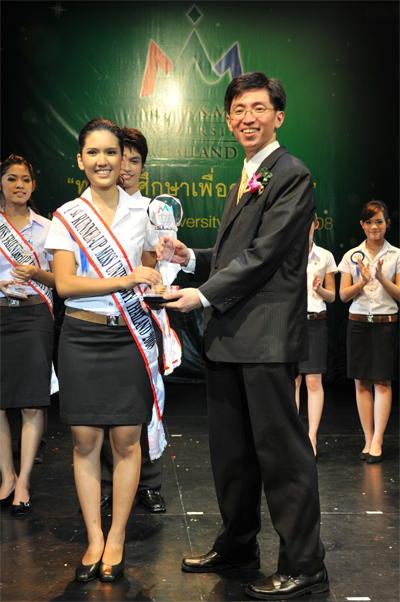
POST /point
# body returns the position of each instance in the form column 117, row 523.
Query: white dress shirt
column 373, row 299
column 254, row 163
column 137, row 196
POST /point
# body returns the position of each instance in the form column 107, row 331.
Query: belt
column 362, row 318
column 316, row 316
column 13, row 302
column 89, row 316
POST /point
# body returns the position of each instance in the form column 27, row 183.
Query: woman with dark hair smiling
column 26, row 284
column 371, row 280
column 108, row 366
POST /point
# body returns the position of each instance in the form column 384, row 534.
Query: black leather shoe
column 105, row 500
column 151, row 500
column 111, row 572
column 363, row 455
column 21, row 508
column 284, row 587
column 374, row 459
column 87, row 572
column 212, row 562
column 39, row 457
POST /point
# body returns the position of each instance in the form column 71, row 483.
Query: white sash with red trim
column 12, row 245
column 107, row 256
column 172, row 350
column 172, row 353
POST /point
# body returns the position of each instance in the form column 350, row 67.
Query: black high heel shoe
column 87, row 572
column 22, row 507
column 374, row 459
column 111, row 572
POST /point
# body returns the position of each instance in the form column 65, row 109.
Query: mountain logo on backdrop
column 192, row 52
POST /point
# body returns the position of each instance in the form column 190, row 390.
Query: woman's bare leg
column 315, row 403
column 87, row 445
column 8, row 475
column 365, row 405
column 297, row 391
column 382, row 407
column 32, row 429
column 125, row 444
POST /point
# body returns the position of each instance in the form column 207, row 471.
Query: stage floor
column 360, row 521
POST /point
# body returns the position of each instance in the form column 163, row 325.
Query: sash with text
column 12, row 245
column 108, row 258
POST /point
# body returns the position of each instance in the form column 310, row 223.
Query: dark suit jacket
column 255, row 276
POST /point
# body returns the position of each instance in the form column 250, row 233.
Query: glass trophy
column 165, row 213
column 16, row 289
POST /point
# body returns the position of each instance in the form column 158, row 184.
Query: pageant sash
column 172, row 353
column 172, row 350
column 12, row 244
column 107, row 256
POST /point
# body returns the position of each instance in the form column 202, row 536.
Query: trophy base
column 158, row 299
column 17, row 290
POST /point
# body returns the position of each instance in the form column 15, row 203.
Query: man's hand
column 181, row 252
column 188, row 299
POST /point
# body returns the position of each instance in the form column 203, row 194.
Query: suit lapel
column 229, row 206
column 234, row 211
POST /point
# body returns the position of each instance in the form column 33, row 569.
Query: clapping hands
column 365, row 270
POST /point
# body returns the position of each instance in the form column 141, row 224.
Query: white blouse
column 320, row 263
column 35, row 232
column 133, row 230
column 373, row 299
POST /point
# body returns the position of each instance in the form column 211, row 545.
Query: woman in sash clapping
column 108, row 367
column 26, row 317
column 370, row 278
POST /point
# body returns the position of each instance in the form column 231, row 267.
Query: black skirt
column 26, row 349
column 372, row 350
column 317, row 348
column 102, row 374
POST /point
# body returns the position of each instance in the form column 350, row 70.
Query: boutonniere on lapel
column 259, row 181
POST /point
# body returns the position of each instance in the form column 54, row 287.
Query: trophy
column 16, row 289
column 165, row 213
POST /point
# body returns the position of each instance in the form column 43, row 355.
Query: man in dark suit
column 255, row 300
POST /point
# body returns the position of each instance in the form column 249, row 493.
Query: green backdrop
column 163, row 67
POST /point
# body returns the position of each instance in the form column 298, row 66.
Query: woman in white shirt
column 26, row 327
column 108, row 365
column 371, row 280
column 321, row 270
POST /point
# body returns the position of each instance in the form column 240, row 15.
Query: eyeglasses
column 257, row 112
